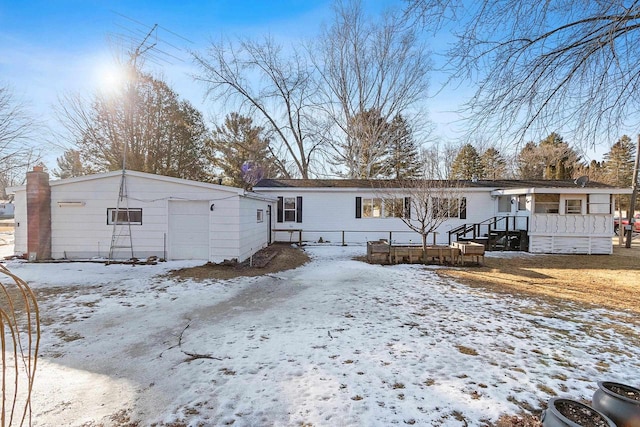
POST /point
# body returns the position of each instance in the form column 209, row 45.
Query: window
column 124, row 216
column 573, row 207
column 547, row 203
column 504, row 203
column 289, row 209
column 383, row 208
column 393, row 208
column 371, row 208
column 449, row 208
column 522, row 202
column 259, row 215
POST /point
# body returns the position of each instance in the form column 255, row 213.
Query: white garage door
column 188, row 229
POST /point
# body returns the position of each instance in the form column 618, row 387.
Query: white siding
column 327, row 213
column 571, row 234
column 253, row 234
column 188, row 236
column 82, row 231
column 20, row 219
column 225, row 230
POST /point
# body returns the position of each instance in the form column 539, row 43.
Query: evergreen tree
column 402, row 160
column 70, row 165
column 618, row 165
column 530, row 165
column 241, row 151
column 467, row 164
column 595, row 170
column 551, row 158
column 493, row 164
column 618, row 162
column 560, row 160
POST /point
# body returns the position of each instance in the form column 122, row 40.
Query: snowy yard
column 336, row 342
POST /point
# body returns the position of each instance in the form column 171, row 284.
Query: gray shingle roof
column 375, row 183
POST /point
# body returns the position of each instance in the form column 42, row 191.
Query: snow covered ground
column 336, row 342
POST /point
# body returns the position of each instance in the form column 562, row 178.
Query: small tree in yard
column 427, row 204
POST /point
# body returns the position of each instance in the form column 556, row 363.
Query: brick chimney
column 38, row 214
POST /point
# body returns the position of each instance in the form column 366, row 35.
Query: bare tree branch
column 562, row 65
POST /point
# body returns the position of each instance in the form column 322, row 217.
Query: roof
column 379, row 183
column 155, row 177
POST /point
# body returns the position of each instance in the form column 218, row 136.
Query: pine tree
column 70, row 165
column 530, row 165
column 618, row 162
column 241, row 151
column 402, row 160
column 551, row 158
column 559, row 158
column 467, row 164
column 493, row 164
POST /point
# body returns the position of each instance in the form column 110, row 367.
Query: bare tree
column 368, row 66
column 426, row 203
column 559, row 64
column 271, row 87
column 17, row 155
column 437, row 160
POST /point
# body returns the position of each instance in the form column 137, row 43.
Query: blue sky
column 57, row 47
column 53, row 48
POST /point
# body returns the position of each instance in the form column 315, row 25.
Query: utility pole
column 634, row 194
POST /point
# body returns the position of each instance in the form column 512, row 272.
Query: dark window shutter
column 407, row 207
column 299, row 209
column 280, row 209
column 463, row 208
column 358, row 207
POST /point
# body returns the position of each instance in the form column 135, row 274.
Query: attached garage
column 167, row 217
column 188, row 229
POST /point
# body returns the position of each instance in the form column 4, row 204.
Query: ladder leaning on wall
column 120, row 218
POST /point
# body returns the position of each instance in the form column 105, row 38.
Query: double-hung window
column 289, row 209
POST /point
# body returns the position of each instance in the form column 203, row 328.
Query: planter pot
column 619, row 402
column 571, row 413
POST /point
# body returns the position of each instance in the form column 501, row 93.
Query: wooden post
column 343, row 244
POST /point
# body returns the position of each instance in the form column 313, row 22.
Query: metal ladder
column 121, row 235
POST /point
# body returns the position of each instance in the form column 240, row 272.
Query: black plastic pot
column 612, row 399
column 554, row 415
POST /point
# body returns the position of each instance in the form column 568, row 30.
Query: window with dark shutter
column 358, row 207
column 280, row 209
column 407, row 207
column 299, row 209
column 463, row 208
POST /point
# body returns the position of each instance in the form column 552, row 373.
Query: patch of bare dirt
column 272, row 259
column 608, row 281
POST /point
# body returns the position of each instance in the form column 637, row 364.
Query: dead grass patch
column 607, row 281
column 277, row 257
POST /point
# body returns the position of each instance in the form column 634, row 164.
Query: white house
column 158, row 216
column 539, row 216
